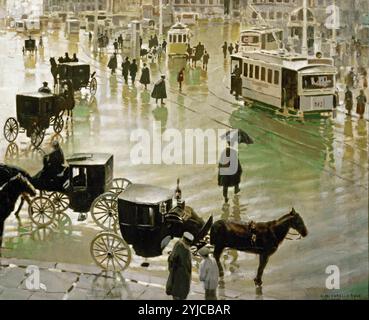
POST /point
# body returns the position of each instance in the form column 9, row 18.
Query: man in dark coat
column 113, row 63
column 133, row 68
column 125, row 69
column 160, row 91
column 164, row 45
column 145, row 76
column 225, row 48
column 230, row 171
column 205, row 60
column 116, row 45
column 349, row 100
column 361, row 103
column 180, row 268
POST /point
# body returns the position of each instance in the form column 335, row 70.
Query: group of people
column 352, row 80
column 67, row 58
column 230, row 48
column 197, row 53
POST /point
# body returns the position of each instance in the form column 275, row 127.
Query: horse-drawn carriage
column 80, row 76
column 29, row 46
column 147, row 221
column 35, row 113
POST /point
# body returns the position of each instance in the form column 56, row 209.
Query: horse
column 261, row 238
column 9, row 194
column 54, row 70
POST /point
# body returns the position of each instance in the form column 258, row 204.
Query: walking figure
column 209, row 274
column 225, row 48
column 180, row 78
column 133, row 68
column 125, row 69
column 159, row 91
column 348, row 101
column 145, row 76
column 113, row 63
column 361, row 103
column 205, row 60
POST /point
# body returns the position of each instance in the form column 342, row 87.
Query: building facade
column 74, row 6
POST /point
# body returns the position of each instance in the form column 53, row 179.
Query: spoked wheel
column 110, row 252
column 104, row 211
column 58, row 124
column 60, row 201
column 37, row 136
column 62, row 224
column 41, row 211
column 120, row 185
column 12, row 151
column 11, row 130
column 93, row 86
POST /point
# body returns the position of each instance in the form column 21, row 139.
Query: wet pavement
column 319, row 167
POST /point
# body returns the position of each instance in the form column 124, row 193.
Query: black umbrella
column 242, row 136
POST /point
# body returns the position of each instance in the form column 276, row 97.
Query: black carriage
column 80, row 76
column 147, row 222
column 30, row 46
column 35, row 113
column 86, row 185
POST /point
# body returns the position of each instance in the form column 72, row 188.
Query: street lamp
column 96, row 26
column 304, row 48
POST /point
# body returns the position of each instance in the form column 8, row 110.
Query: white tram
column 261, row 38
column 178, row 38
column 285, row 81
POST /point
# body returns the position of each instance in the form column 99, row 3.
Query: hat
column 163, row 76
column 204, row 252
column 188, row 236
column 45, row 83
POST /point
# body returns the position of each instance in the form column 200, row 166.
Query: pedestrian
column 120, row 41
column 116, row 45
column 189, row 52
column 133, row 69
column 348, row 101
column 125, row 69
column 113, row 63
column 145, row 76
column 365, row 80
column 151, row 42
column 230, row 171
column 90, row 37
column 205, row 60
column 180, row 268
column 67, row 58
column 180, row 78
column 350, row 78
column 230, row 49
column 75, row 59
column 155, row 40
column 209, row 274
column 153, row 54
column 159, row 52
column 141, row 42
column 237, row 47
column 41, row 42
column 225, row 48
column 61, row 60
column 361, row 103
column 236, row 82
column 159, row 91
column 164, row 46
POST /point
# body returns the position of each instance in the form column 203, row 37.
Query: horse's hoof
column 258, row 283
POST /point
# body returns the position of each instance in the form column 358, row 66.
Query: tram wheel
column 110, row 252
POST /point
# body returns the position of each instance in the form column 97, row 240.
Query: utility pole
column 304, row 48
column 96, row 25
column 161, row 20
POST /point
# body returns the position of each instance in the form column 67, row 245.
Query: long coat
column 113, row 64
column 159, row 91
column 145, row 76
column 232, row 179
column 361, row 102
column 180, row 269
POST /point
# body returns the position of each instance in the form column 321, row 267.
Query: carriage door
column 290, row 97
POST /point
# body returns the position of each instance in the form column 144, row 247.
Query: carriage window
column 270, row 76
column 48, row 107
column 30, row 108
column 257, row 72
column 79, row 176
column 146, row 217
column 262, row 78
column 276, row 77
column 251, row 73
column 246, row 70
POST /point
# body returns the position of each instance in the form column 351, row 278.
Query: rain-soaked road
column 319, row 167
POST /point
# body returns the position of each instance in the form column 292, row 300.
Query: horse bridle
column 299, row 237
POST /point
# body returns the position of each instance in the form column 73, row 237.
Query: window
column 251, row 73
column 184, row 38
column 246, row 70
column 79, row 176
column 270, row 76
column 262, row 77
column 179, row 38
column 276, row 77
column 170, row 38
column 174, row 38
column 257, row 72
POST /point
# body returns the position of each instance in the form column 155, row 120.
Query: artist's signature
column 341, row 296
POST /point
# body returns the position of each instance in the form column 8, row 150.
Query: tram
column 72, row 26
column 285, row 81
column 178, row 38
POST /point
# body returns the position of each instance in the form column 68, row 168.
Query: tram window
column 179, row 38
column 170, row 38
column 184, row 38
column 257, row 72
column 174, row 38
column 251, row 73
column 270, row 76
column 246, row 70
column 276, row 77
column 262, row 78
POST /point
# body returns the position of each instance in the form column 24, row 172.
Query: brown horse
column 262, row 238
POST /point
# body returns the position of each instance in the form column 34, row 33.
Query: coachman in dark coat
column 160, row 91
column 230, row 171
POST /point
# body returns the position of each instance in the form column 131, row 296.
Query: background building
column 74, row 6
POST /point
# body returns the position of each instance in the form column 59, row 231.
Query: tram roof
column 288, row 60
column 261, row 30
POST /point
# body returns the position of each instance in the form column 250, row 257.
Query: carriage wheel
column 110, row 252
column 104, row 211
column 58, row 124
column 120, row 185
column 62, row 224
column 41, row 211
column 12, row 151
column 11, row 130
column 37, row 136
column 60, row 201
column 93, row 86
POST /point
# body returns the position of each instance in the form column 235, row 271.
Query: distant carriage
column 35, row 113
column 146, row 221
column 29, row 46
column 80, row 76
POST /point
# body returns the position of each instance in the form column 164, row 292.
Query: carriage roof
column 146, row 194
column 89, row 159
column 36, row 95
column 75, row 64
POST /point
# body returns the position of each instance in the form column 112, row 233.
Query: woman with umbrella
column 229, row 168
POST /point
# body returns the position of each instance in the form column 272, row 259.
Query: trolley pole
column 161, row 20
column 304, row 48
column 96, row 25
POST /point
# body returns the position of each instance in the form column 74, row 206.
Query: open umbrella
column 237, row 134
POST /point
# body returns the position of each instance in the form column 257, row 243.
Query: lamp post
column 304, row 48
column 96, row 26
column 161, row 20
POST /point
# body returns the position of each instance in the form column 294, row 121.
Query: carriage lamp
column 163, row 208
